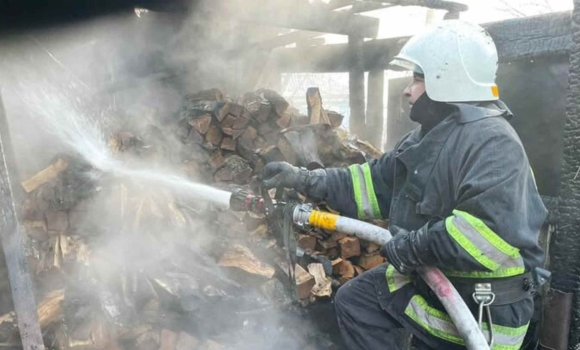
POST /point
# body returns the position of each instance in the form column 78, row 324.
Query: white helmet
column 458, row 60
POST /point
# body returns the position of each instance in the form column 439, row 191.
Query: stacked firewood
column 121, row 264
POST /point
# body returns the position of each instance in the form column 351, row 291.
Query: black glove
column 310, row 183
column 408, row 250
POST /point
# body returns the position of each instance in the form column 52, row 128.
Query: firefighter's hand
column 310, row 183
column 396, row 252
column 281, row 174
column 407, row 250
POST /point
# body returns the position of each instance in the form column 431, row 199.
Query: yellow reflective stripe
column 364, row 193
column 356, row 183
column 371, row 191
column 491, row 236
column 434, row 321
column 499, row 273
column 396, row 280
column 440, row 325
column 485, row 246
column 469, row 247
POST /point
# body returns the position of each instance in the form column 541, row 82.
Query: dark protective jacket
column 468, row 182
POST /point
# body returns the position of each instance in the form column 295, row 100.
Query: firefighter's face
column 415, row 89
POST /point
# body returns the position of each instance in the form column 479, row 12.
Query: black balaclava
column 429, row 113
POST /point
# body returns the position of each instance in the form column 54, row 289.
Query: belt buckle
column 484, row 297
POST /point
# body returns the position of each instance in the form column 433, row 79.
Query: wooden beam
column 366, row 6
column 311, row 18
column 450, row 6
column 286, row 39
column 356, row 86
column 375, row 107
column 336, row 57
column 515, row 39
column 12, row 245
column 370, row 5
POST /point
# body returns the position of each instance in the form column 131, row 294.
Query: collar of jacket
column 465, row 113
column 470, row 112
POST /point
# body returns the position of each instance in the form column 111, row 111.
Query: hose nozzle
column 243, row 200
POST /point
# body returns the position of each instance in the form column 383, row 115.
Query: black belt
column 507, row 290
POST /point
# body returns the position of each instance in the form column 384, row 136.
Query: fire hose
column 305, row 215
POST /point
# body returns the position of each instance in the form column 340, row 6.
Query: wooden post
column 375, row 107
column 356, row 85
column 20, row 284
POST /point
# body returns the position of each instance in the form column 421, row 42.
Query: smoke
column 135, row 237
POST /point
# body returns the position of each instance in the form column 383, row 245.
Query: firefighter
column 459, row 195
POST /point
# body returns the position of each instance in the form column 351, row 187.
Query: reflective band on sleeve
column 364, row 192
column 438, row 324
column 395, row 279
column 485, row 246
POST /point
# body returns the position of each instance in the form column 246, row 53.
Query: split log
column 201, row 124
column 349, row 247
column 335, row 118
column 279, row 103
column 36, row 229
column 214, row 135
column 206, row 95
column 316, row 113
column 304, row 282
column 235, row 169
column 260, row 143
column 250, row 134
column 323, row 286
column 265, row 128
column 217, row 160
column 304, row 143
column 236, row 110
column 370, row 260
column 186, row 342
column 337, row 236
column 147, row 341
column 264, row 111
column 241, row 122
column 228, row 144
column 168, row 340
column 287, row 151
column 370, row 247
column 50, row 309
column 349, row 153
column 359, row 270
column 344, row 269
column 222, row 111
column 241, row 257
column 56, row 222
column 211, row 345
column 326, row 244
column 271, row 154
column 194, row 137
column 51, row 172
column 369, row 149
column 285, row 121
column 229, row 121
column 200, row 107
column 307, row 243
